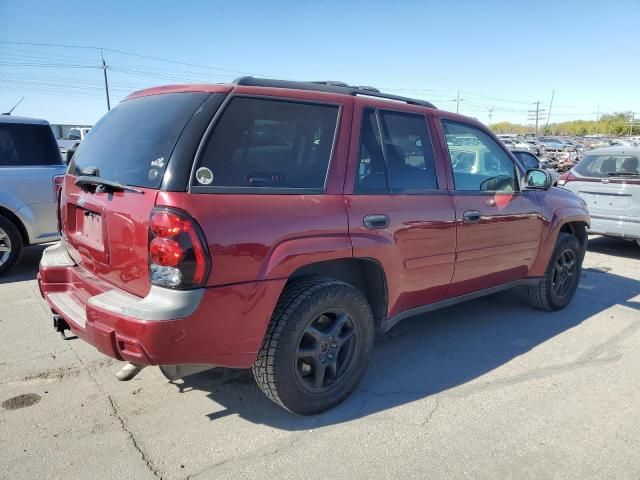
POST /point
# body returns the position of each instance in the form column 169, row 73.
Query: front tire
column 560, row 282
column 10, row 245
column 317, row 345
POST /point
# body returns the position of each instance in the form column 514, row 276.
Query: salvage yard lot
column 486, row 389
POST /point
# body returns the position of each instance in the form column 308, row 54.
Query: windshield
column 133, row 142
column 608, row 165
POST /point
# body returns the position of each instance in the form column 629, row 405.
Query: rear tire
column 560, row 282
column 10, row 245
column 317, row 345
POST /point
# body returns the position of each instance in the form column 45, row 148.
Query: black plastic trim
column 390, row 323
column 329, row 87
column 178, row 171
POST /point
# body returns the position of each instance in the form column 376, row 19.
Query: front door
column 400, row 212
column 499, row 226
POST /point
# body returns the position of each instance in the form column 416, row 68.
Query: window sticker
column 204, row 176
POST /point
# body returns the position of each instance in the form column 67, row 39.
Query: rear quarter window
column 269, row 145
column 24, row 145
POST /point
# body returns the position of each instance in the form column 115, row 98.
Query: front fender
column 560, row 217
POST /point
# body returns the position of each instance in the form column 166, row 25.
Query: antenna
column 14, row 107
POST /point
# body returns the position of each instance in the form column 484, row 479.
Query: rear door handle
column 375, row 221
column 471, row 216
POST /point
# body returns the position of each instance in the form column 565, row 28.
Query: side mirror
column 537, row 179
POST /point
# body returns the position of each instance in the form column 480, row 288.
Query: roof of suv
column 315, row 86
column 22, row 120
column 618, row 150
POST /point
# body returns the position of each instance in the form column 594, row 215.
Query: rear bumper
column 615, row 227
column 219, row 325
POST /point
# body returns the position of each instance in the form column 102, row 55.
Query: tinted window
column 133, row 142
column 403, row 161
column 527, row 160
column 608, row 165
column 27, row 145
column 269, row 143
column 479, row 165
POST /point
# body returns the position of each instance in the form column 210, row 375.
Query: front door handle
column 375, row 221
column 471, row 216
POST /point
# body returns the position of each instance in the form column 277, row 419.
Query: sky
column 498, row 56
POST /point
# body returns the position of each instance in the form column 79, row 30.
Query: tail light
column 566, row 177
column 58, row 180
column 178, row 256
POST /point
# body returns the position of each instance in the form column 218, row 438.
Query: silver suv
column 31, row 173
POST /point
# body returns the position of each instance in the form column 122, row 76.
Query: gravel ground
column 488, row 389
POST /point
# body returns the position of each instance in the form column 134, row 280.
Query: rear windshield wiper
column 87, row 182
column 623, row 174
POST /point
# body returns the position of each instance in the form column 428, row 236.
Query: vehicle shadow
column 428, row 354
column 617, row 247
column 27, row 267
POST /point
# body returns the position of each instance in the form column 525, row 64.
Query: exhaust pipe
column 129, row 371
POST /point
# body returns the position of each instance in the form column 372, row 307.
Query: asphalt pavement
column 488, row 389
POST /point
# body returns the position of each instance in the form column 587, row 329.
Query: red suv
column 279, row 225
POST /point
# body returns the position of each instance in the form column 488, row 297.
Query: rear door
column 400, row 212
column 499, row 227
column 29, row 159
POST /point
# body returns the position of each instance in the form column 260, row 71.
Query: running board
column 393, row 321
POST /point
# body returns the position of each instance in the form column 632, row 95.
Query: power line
column 133, row 54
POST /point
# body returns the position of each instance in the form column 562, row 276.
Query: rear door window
column 132, row 143
column 269, row 144
column 24, row 145
column 401, row 160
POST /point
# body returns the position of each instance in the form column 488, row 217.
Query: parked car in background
column 536, row 146
column 278, row 225
column 31, row 173
column 555, row 144
column 78, row 133
column 514, row 141
column 529, row 161
column 608, row 179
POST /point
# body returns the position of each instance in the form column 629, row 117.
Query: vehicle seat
column 630, row 165
column 608, row 166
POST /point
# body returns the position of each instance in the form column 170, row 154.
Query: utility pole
column 553, row 93
column 458, row 103
column 534, row 115
column 598, row 120
column 632, row 123
column 490, row 115
column 106, row 81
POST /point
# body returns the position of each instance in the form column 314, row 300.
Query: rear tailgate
column 107, row 234
column 107, row 229
column 612, row 199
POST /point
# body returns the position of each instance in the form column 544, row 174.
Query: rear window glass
column 24, row 145
column 269, row 144
column 133, row 142
column 608, row 165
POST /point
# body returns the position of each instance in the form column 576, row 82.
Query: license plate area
column 89, row 227
column 88, row 232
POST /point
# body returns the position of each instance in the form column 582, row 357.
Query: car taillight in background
column 58, row 180
column 566, row 177
column 178, row 256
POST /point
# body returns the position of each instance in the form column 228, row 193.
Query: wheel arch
column 365, row 274
column 13, row 218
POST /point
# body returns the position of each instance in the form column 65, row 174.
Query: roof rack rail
column 330, row 87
